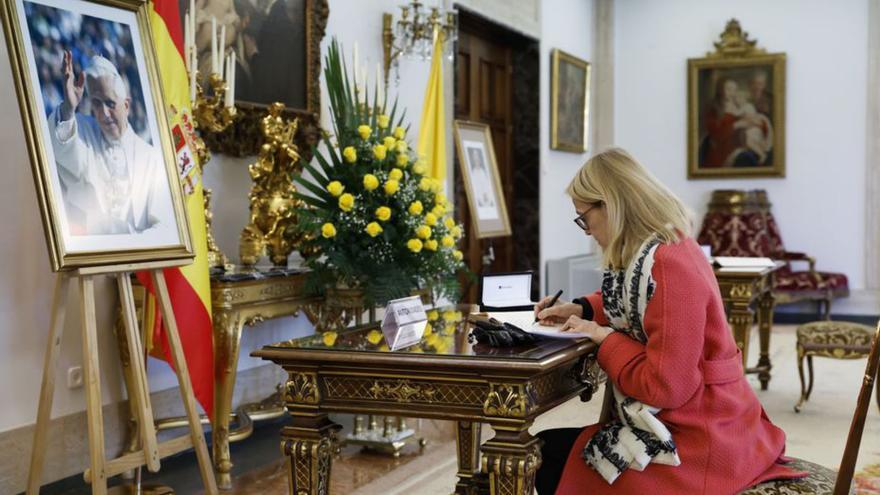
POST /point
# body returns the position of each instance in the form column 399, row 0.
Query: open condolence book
column 526, row 321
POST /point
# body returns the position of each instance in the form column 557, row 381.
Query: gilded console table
column 742, row 291
column 442, row 377
column 240, row 298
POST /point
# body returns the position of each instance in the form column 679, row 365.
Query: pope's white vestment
column 108, row 187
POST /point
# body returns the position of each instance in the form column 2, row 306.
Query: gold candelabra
column 272, row 197
column 413, row 34
column 211, row 112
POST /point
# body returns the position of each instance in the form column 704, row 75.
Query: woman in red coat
column 685, row 420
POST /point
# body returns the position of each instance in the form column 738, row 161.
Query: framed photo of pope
column 482, row 181
column 93, row 114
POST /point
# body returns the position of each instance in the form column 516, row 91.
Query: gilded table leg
column 227, row 338
column 765, row 321
column 510, row 459
column 467, row 439
column 740, row 319
column 309, row 445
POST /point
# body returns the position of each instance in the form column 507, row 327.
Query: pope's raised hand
column 73, row 87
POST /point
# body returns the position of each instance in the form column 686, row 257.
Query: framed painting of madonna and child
column 736, row 110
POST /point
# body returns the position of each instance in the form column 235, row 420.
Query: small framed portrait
column 570, row 102
column 94, row 118
column 479, row 171
column 736, row 110
column 277, row 46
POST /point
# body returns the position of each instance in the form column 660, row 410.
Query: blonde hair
column 636, row 203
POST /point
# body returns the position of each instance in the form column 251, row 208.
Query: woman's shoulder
column 682, row 258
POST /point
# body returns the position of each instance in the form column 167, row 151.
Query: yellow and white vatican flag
column 432, row 128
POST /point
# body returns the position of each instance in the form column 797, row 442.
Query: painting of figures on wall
column 736, row 115
column 101, row 150
column 269, row 40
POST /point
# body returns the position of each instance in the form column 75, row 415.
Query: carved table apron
column 469, row 384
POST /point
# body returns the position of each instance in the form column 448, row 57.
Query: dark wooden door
column 483, row 83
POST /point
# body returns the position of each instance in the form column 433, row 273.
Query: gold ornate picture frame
column 569, row 102
column 736, row 110
column 275, row 50
column 482, row 182
column 97, row 133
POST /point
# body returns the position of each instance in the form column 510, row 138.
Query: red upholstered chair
column 739, row 223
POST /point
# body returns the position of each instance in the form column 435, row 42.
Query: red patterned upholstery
column 739, row 223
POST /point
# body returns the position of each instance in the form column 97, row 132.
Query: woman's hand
column 559, row 313
column 589, row 329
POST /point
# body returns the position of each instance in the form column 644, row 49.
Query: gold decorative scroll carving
column 272, row 195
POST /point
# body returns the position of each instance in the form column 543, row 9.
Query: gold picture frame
column 482, row 182
column 736, row 110
column 569, row 102
column 277, row 36
column 107, row 183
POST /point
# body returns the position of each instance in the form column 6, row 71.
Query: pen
column 552, row 301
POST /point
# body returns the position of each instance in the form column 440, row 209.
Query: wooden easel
column 151, row 452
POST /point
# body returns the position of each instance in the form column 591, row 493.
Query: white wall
column 820, row 203
column 566, row 25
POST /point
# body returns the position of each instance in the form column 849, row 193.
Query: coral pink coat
column 691, row 368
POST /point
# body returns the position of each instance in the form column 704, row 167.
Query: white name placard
column 404, row 322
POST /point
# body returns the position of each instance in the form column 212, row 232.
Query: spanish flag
column 432, row 128
column 189, row 286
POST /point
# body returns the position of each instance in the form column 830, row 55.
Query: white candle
column 186, row 37
column 221, row 47
column 214, row 62
column 193, row 68
column 354, row 63
column 232, row 79
column 192, row 27
column 228, row 72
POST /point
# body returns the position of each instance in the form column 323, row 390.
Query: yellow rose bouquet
column 371, row 217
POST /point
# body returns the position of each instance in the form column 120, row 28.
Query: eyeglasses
column 580, row 219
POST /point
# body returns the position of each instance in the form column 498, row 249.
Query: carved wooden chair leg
column 810, row 371
column 800, row 363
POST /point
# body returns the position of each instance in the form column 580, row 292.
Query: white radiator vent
column 575, row 275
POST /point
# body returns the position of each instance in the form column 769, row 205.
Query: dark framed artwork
column 94, row 118
column 736, row 110
column 569, row 102
column 278, row 59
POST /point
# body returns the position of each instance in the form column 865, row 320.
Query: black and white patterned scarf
column 634, row 437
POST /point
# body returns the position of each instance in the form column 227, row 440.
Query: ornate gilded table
column 742, row 291
column 240, row 298
column 442, row 377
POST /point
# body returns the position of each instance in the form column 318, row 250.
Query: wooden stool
column 833, row 339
